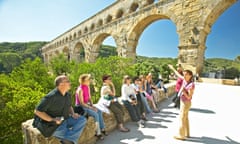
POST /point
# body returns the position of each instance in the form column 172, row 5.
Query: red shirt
column 178, row 84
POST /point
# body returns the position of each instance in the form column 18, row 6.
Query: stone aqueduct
column 125, row 20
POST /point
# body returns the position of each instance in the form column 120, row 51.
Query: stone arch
column 100, row 22
column 137, row 30
column 85, row 30
column 119, row 13
column 92, row 26
column 211, row 13
column 98, row 41
column 108, row 19
column 70, row 37
column 78, row 52
column 134, row 6
column 96, row 44
column 66, row 52
column 214, row 14
column 79, row 33
column 74, row 35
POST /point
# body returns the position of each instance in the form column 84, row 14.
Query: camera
column 132, row 97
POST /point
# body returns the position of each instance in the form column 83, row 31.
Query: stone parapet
column 33, row 136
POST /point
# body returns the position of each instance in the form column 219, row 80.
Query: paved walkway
column 214, row 119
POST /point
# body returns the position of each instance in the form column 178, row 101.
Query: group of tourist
column 55, row 116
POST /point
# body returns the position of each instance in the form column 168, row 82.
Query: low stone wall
column 33, row 136
column 219, row 81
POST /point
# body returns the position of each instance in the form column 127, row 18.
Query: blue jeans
column 160, row 85
column 97, row 117
column 145, row 103
column 71, row 129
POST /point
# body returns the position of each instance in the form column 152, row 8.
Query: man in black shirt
column 54, row 116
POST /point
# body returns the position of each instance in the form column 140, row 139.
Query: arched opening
column 223, row 44
column 119, row 13
column 155, row 41
column 133, row 7
column 85, row 30
column 78, row 53
column 138, row 29
column 66, row 53
column 105, row 45
column 100, row 22
column 108, row 19
column 74, row 36
column 92, row 26
column 79, row 33
column 159, row 40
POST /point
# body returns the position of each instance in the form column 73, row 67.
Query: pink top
column 187, row 86
column 178, row 84
column 86, row 94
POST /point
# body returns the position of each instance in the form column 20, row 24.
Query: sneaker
column 141, row 124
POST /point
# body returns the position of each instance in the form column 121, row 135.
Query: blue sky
column 43, row 20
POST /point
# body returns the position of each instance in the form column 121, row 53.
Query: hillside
column 220, row 63
column 12, row 54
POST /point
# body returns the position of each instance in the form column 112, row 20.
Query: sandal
column 124, row 130
column 156, row 110
column 104, row 133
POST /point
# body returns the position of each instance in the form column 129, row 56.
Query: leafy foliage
column 107, row 50
column 12, row 54
column 155, row 66
column 9, row 61
column 61, row 65
column 115, row 66
column 20, row 92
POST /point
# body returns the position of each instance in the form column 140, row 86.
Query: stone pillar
column 90, row 55
column 192, row 57
column 192, row 47
column 126, row 47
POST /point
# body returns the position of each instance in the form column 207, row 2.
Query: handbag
column 45, row 127
column 79, row 109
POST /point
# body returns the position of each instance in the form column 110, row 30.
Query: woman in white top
column 109, row 101
column 129, row 99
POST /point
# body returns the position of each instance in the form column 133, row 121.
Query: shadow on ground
column 209, row 140
column 206, row 111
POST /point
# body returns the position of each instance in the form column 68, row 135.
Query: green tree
column 9, row 61
column 115, row 66
column 237, row 58
column 20, row 92
column 61, row 65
